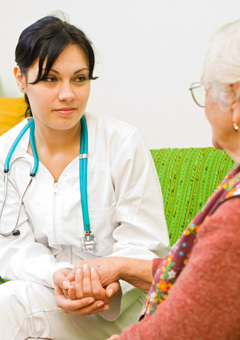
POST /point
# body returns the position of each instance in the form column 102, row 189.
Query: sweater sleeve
column 204, row 302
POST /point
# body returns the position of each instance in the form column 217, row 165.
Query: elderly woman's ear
column 235, row 105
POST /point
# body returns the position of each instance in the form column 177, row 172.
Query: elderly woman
column 195, row 293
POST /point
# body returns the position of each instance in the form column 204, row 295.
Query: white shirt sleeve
column 142, row 231
column 139, row 213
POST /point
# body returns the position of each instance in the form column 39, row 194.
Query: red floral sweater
column 204, row 303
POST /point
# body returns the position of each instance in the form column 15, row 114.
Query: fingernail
column 100, row 304
column 78, row 273
column 85, row 267
column 110, row 292
column 92, row 271
column 90, row 301
column 106, row 308
column 66, row 284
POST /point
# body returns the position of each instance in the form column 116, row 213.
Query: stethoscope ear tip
column 16, row 233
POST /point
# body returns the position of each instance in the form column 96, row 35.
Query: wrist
column 123, row 267
column 125, row 271
column 137, row 272
column 120, row 265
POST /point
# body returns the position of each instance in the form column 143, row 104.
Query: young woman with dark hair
column 55, row 226
column 45, row 40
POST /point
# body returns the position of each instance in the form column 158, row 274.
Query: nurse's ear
column 20, row 79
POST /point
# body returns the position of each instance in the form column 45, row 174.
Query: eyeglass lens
column 199, row 94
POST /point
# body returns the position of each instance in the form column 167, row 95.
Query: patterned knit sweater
column 204, row 303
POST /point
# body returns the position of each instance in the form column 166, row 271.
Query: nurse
column 55, row 64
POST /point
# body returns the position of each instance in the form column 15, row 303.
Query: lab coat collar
column 21, row 149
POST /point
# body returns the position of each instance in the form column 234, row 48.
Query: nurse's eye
column 81, row 79
column 50, row 79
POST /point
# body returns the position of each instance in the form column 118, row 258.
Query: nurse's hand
column 85, row 306
column 87, row 284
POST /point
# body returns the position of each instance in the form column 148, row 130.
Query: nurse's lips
column 66, row 111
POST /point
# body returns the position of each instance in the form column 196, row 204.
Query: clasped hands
column 88, row 288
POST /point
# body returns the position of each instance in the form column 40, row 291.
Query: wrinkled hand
column 107, row 268
column 87, row 284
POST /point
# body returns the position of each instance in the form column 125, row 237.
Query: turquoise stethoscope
column 89, row 240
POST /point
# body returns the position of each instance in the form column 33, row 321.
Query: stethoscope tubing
column 21, row 198
column 83, row 164
column 5, row 192
column 34, row 151
column 14, row 145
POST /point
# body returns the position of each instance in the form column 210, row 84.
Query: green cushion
column 188, row 177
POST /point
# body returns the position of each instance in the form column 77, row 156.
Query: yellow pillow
column 11, row 112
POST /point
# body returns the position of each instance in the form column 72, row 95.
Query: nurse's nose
column 66, row 92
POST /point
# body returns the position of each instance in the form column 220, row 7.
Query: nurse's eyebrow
column 82, row 69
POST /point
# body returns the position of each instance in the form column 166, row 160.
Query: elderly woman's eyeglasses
column 198, row 93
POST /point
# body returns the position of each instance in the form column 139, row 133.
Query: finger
column 79, row 284
column 65, row 292
column 72, row 305
column 87, row 285
column 68, row 304
column 58, row 291
column 60, row 279
column 72, row 293
column 71, row 275
column 91, row 309
column 113, row 289
column 97, row 289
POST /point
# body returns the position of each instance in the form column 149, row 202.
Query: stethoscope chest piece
column 89, row 243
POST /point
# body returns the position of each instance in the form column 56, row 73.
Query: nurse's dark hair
column 46, row 39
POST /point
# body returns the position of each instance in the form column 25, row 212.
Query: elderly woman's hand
column 87, row 284
column 108, row 269
column 85, row 295
column 111, row 269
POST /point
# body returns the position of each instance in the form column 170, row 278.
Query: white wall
column 150, row 51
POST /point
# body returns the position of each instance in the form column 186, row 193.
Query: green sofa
column 187, row 176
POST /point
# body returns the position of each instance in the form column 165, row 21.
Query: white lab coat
column 124, row 199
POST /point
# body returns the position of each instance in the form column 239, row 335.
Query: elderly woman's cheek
column 209, row 107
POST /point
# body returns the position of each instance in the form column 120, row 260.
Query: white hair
column 222, row 63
